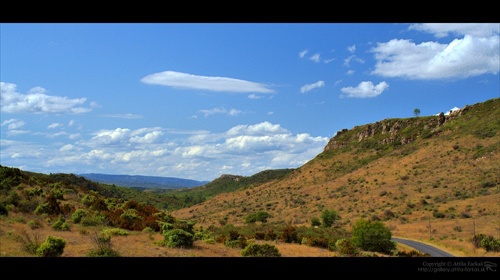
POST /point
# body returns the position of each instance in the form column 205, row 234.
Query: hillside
column 430, row 178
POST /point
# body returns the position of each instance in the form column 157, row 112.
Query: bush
column 53, row 246
column 329, row 217
column 346, row 247
column 260, row 216
column 260, row 250
column 61, row 224
column 77, row 216
column 372, row 236
column 178, row 238
column 315, row 222
column 103, row 246
column 289, row 234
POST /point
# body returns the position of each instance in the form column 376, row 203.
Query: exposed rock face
column 232, row 177
column 393, row 128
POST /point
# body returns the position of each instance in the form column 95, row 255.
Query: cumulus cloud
column 365, row 89
column 243, row 149
column 474, row 54
column 211, row 83
column 303, row 53
column 37, row 101
column 310, row 87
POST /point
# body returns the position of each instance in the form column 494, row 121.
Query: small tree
column 372, row 236
column 329, row 217
column 260, row 250
column 416, row 111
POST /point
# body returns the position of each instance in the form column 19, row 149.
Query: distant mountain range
column 146, row 182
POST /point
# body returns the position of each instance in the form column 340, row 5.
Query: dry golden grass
column 447, row 179
column 136, row 244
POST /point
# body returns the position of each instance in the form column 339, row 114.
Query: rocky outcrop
column 389, row 131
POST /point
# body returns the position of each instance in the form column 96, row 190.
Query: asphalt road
column 424, row 248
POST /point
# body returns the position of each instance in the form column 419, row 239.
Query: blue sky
column 198, row 100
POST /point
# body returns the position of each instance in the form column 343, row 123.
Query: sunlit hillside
column 433, row 179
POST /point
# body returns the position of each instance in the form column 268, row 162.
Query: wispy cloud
column 37, row 101
column 315, row 57
column 310, row 87
column 365, row 89
column 123, row 116
column 54, row 125
column 13, row 123
column 213, row 111
column 441, row 30
column 211, row 83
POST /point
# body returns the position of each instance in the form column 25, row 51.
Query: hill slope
column 433, row 178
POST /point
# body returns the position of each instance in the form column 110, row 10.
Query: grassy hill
column 431, row 178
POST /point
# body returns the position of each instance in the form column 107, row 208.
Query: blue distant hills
column 146, row 182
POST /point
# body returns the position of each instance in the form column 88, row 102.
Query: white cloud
column 441, row 30
column 36, row 101
column 190, row 81
column 13, row 124
column 474, row 54
column 110, row 137
column 365, row 89
column 213, row 111
column 263, row 128
column 54, row 125
column 310, row 87
column 303, row 53
column 123, row 116
column 315, row 57
column 242, row 150
column 149, row 137
column 347, row 61
column 67, row 147
column 254, row 96
column 352, row 48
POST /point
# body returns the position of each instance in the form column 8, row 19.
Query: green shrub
column 53, row 246
column 115, row 231
column 260, row 216
column 61, row 224
column 260, row 250
column 77, row 216
column 315, row 222
column 329, row 217
column 178, row 238
column 372, row 236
